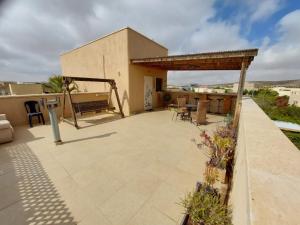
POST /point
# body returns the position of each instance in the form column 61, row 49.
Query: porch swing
column 89, row 106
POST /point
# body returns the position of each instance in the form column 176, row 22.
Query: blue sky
column 256, row 31
column 34, row 33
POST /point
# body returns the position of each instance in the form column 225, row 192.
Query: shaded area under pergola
column 225, row 60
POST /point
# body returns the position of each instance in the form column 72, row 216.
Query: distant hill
column 259, row 84
column 285, row 83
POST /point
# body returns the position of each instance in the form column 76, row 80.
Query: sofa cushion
column 4, row 124
column 3, row 117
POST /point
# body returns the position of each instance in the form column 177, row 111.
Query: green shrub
column 167, row 97
column 294, row 137
column 205, row 208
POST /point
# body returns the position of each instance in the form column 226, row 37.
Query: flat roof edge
column 129, row 28
column 107, row 35
column 90, row 42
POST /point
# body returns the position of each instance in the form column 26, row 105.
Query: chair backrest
column 32, row 106
column 201, row 111
column 181, row 102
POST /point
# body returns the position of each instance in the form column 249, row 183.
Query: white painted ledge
column 266, row 183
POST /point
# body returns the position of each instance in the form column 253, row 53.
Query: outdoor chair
column 181, row 109
column 33, row 110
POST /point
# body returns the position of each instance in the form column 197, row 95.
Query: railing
column 266, row 181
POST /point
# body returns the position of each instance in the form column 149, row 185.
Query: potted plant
column 221, row 146
column 204, row 207
column 167, row 98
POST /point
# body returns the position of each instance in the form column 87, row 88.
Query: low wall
column 218, row 103
column 13, row 106
column 266, row 182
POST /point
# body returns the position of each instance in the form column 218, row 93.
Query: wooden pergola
column 68, row 80
column 226, row 60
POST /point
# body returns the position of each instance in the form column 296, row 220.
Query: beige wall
column 140, row 46
column 13, row 106
column 226, row 101
column 266, row 180
column 25, row 89
column 295, row 98
column 4, row 89
column 104, row 58
column 109, row 57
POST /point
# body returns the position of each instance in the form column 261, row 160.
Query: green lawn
column 294, row 137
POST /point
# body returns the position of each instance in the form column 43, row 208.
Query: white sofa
column 6, row 130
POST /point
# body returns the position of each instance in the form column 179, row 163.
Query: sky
column 33, row 33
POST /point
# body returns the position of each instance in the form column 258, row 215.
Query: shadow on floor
column 27, row 194
column 88, row 138
column 90, row 121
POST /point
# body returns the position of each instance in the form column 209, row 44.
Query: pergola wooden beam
column 227, row 60
column 68, row 80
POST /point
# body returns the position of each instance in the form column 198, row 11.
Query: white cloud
column 280, row 60
column 262, row 9
column 34, row 33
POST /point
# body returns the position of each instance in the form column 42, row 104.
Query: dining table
column 190, row 108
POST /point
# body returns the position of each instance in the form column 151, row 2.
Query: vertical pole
column 64, row 103
column 238, row 103
column 114, row 86
column 109, row 97
column 71, row 106
column 54, row 124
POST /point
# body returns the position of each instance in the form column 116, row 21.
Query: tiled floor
column 128, row 171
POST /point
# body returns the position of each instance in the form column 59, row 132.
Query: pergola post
column 114, row 87
column 67, row 91
column 238, row 104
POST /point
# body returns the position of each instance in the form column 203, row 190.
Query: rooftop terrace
column 126, row 171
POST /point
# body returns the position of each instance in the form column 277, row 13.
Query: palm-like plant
column 55, row 85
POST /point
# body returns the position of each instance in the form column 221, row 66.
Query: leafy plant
column 205, row 208
column 211, row 175
column 221, row 145
column 266, row 100
column 167, row 97
column 294, row 137
column 55, row 84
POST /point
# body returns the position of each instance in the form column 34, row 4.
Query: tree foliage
column 266, row 99
column 55, row 84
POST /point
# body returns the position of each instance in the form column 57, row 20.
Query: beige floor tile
column 166, row 199
column 94, row 217
column 128, row 171
column 122, row 206
column 183, row 180
column 9, row 195
column 148, row 215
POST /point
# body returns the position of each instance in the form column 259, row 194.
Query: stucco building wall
column 13, row 106
column 103, row 58
column 25, row 89
column 109, row 57
column 140, row 46
column 295, row 98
